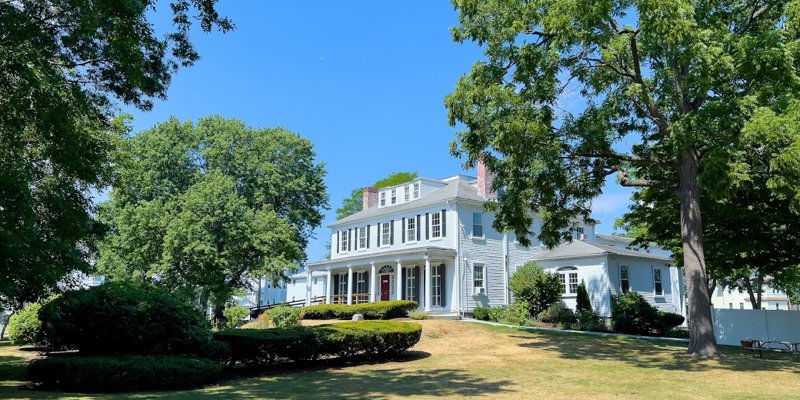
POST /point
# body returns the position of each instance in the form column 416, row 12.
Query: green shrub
column 267, row 346
column 481, row 313
column 216, row 351
column 376, row 310
column 631, row 313
column 582, row 301
column 667, row 322
column 537, row 288
column 496, row 313
column 235, row 316
column 516, row 314
column 284, row 316
column 418, row 315
column 557, row 313
column 24, row 326
column 122, row 318
column 588, row 321
column 121, row 373
column 258, row 324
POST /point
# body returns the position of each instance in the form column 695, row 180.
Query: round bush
column 121, row 373
column 481, row 313
column 557, row 313
column 122, row 318
column 536, row 287
column 631, row 313
column 24, row 325
column 284, row 316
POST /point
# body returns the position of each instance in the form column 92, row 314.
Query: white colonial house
column 431, row 241
column 296, row 286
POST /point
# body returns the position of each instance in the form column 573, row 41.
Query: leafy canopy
column 64, row 65
column 355, row 202
column 207, row 206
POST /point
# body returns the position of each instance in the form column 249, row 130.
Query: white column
column 329, row 288
column 428, row 284
column 308, row 287
column 399, row 280
column 372, row 280
column 349, row 284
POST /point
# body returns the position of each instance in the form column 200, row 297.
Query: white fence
column 731, row 326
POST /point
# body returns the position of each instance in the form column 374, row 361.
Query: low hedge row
column 299, row 343
column 376, row 310
column 122, row 373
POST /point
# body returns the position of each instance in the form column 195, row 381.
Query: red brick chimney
column 370, row 198
column 485, row 178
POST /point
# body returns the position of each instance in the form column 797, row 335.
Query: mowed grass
column 458, row 359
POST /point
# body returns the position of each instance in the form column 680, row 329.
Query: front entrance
column 385, row 287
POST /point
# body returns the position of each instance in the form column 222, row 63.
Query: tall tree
column 669, row 88
column 63, row 67
column 354, row 203
column 202, row 208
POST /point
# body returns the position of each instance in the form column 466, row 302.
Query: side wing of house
column 593, row 271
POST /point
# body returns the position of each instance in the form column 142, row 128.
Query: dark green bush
column 121, row 373
column 120, row 318
column 481, row 313
column 588, row 321
column 539, row 289
column 496, row 313
column 668, row 322
column 284, row 316
column 582, row 302
column 376, row 310
column 24, row 326
column 557, row 313
column 216, row 351
column 267, row 346
column 631, row 313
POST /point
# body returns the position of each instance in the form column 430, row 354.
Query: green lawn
column 459, row 359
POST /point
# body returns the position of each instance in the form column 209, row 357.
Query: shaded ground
column 457, row 359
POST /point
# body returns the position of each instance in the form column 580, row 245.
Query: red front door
column 385, row 288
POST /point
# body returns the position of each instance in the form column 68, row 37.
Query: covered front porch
column 422, row 275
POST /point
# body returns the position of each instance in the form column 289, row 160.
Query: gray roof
column 456, row 189
column 581, row 249
column 368, row 256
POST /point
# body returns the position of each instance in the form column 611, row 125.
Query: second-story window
column 386, row 234
column 394, row 196
column 411, row 230
column 362, row 238
column 383, row 199
column 407, row 193
column 477, row 224
column 657, row 282
column 345, row 238
column 436, row 225
column 416, row 190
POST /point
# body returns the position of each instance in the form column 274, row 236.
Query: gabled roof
column 456, row 189
column 582, row 249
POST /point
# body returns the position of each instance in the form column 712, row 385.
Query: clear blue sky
column 363, row 80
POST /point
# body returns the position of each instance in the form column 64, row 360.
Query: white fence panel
column 731, row 326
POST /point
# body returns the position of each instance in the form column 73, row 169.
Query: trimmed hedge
column 299, row 343
column 24, row 326
column 376, row 310
column 121, row 373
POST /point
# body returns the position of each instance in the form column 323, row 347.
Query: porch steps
column 441, row 315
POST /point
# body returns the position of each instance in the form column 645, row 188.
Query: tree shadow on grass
column 644, row 353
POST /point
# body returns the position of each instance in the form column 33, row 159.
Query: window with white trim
column 477, row 224
column 579, row 233
column 436, row 285
column 657, row 282
column 386, row 234
column 411, row 284
column 624, row 280
column 344, row 236
column 411, row 230
column 741, row 306
column 362, row 238
column 479, row 279
column 394, row 196
column 568, row 276
column 407, row 193
column 383, row 198
column 343, row 283
column 361, row 282
column 436, row 225
column 416, row 190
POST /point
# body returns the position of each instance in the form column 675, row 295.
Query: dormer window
column 407, row 193
column 383, row 199
column 416, row 190
column 394, row 196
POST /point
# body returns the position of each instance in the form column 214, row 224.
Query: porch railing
column 358, row 298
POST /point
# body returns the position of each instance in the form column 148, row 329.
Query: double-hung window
column 362, row 238
column 416, row 190
column 477, row 224
column 343, row 283
column 657, row 282
column 361, row 282
column 345, row 237
column 568, row 276
column 479, row 279
column 411, row 229
column 386, row 234
column 406, row 193
column 436, row 225
column 624, row 279
column 411, row 284
column 394, row 196
column 383, row 199
column 436, row 285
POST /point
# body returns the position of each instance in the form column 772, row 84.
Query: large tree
column 64, row 65
column 355, row 202
column 202, row 208
column 664, row 91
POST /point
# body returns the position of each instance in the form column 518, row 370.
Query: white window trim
column 383, row 199
column 407, row 193
column 412, row 230
column 393, row 197
column 417, row 190
column 362, row 234
column 433, row 236
column 475, row 289
column 361, row 279
column 564, row 277
column 628, row 272
column 343, row 241
column 661, row 278
column 435, row 275
column 483, row 231
column 412, row 291
column 388, row 235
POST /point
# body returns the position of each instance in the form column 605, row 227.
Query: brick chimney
column 485, row 178
column 370, row 198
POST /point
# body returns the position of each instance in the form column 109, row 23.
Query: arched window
column 569, row 280
column 386, row 269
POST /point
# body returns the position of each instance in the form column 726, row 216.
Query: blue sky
column 363, row 80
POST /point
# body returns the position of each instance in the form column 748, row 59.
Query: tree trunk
column 702, row 342
column 219, row 319
column 759, row 287
column 749, row 287
column 5, row 325
column 202, row 302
